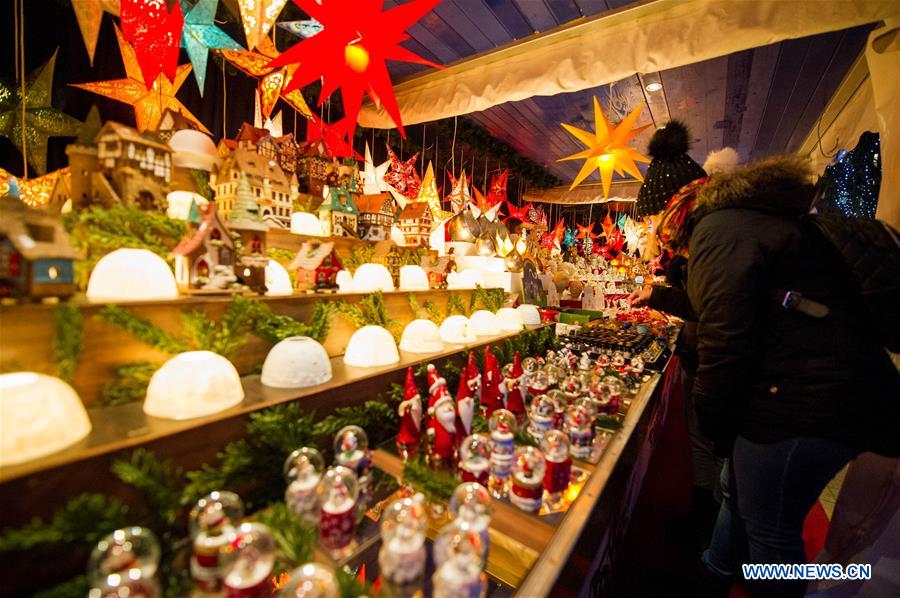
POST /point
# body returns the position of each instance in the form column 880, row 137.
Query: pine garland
column 370, row 311
column 351, row 587
column 434, row 312
column 414, row 306
column 608, row 422
column 455, row 305
column 378, row 418
column 437, row 486
column 67, row 338
column 77, row 587
column 129, row 383
column 159, row 482
column 273, row 328
column 225, row 337
column 144, row 330
column 489, row 299
column 295, row 537
column 361, row 254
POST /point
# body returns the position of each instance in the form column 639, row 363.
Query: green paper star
column 200, row 35
column 42, row 120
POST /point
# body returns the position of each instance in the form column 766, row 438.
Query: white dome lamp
column 296, row 362
column 193, row 149
column 455, row 331
column 278, row 281
column 371, row 346
column 131, row 275
column 39, row 415
column 421, row 336
column 484, row 323
column 530, row 314
column 344, row 281
column 179, row 204
column 304, row 223
column 413, row 278
column 193, row 384
column 510, row 319
column 369, row 278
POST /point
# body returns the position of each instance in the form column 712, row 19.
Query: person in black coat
column 788, row 397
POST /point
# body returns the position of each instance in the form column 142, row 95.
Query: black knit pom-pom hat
column 670, row 170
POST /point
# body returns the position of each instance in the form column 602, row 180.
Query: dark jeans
column 767, row 491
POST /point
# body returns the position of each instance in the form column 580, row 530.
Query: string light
column 851, row 183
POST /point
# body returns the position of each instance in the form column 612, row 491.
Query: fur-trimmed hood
column 780, row 184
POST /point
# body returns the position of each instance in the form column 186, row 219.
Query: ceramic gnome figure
column 442, row 420
column 410, row 411
column 473, row 377
column 492, row 397
column 465, row 409
column 515, row 399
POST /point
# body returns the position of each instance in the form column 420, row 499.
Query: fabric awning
column 622, row 193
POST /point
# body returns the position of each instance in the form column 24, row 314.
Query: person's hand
column 640, row 297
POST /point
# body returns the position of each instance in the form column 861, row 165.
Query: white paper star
column 373, row 176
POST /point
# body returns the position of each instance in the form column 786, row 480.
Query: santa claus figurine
column 465, row 409
column 493, row 395
column 515, row 398
column 472, row 377
column 410, row 411
column 441, row 421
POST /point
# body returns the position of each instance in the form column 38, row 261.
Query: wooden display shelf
column 26, row 342
column 190, row 443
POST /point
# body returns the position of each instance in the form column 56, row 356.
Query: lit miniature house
column 245, row 223
column 121, row 166
column 205, row 255
column 338, row 213
column 376, row 216
column 313, row 166
column 388, row 255
column 35, row 253
column 437, row 269
column 415, row 222
column 255, row 154
column 317, row 266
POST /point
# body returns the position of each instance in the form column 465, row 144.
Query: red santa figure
column 465, row 409
column 473, row 377
column 515, row 398
column 492, row 397
column 410, row 411
column 441, row 420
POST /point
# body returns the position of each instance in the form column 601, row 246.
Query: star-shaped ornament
column 154, row 31
column 520, row 214
column 334, row 137
column 429, row 194
column 41, row 119
column 373, row 176
column 497, row 192
column 586, row 232
column 258, row 17
column 305, row 29
column 272, row 81
column 607, row 149
column 459, row 194
column 89, row 14
column 200, row 35
column 150, row 103
column 350, row 52
column 402, row 178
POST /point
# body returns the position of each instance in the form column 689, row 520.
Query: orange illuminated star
column 607, row 148
column 272, row 81
column 149, row 104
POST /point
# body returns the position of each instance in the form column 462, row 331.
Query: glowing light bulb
column 356, row 57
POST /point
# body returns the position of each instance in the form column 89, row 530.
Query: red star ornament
column 155, row 34
column 334, row 137
column 586, row 231
column 403, row 176
column 350, row 52
column 520, row 214
column 497, row 192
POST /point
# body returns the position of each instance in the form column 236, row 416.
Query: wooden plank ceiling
column 761, row 102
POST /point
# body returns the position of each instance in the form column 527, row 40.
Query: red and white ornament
column 410, row 411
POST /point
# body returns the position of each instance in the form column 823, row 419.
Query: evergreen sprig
column 225, row 337
column 437, row 486
column 67, row 339
column 414, row 306
column 370, row 311
column 82, row 521
column 129, row 383
column 361, row 254
column 434, row 312
column 489, row 299
column 144, row 330
column 351, row 587
column 77, row 587
column 295, row 537
column 378, row 418
column 456, row 305
column 159, row 483
column 273, row 328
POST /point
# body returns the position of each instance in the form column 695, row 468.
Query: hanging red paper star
column 272, row 82
column 155, row 34
column 559, row 231
column 608, row 227
column 537, row 215
column 403, row 176
column 350, row 52
column 459, row 194
column 334, row 137
column 520, row 214
column 586, row 231
column 497, row 192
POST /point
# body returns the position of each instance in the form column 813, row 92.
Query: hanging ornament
column 482, row 206
column 258, row 16
column 537, row 215
column 334, row 137
column 568, row 239
column 587, row 245
column 497, row 192
column 402, row 178
column 586, row 232
column 200, row 35
column 272, row 82
column 273, row 124
column 149, row 102
column 154, row 31
column 373, row 176
column 305, row 29
column 428, row 193
column 459, row 194
column 607, row 149
column 608, row 227
column 34, row 192
column 41, row 119
column 90, row 16
column 350, row 52
column 520, row 214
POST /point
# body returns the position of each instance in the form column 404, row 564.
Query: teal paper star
column 305, row 29
column 200, row 35
column 42, row 120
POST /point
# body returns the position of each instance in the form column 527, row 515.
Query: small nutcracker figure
column 410, row 411
column 515, row 398
column 465, row 409
column 491, row 398
column 442, row 420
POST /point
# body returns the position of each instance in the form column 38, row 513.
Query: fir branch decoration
column 82, row 521
column 437, row 486
column 295, row 537
column 282, row 428
column 412, row 257
column 378, row 418
column 480, row 424
column 370, row 311
column 523, row 438
column 361, row 254
column 489, row 299
column 434, row 312
column 455, row 305
column 146, row 331
column 226, row 336
column 351, row 587
column 67, row 337
column 273, row 328
column 201, row 182
column 129, row 384
column 159, row 483
column 414, row 306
